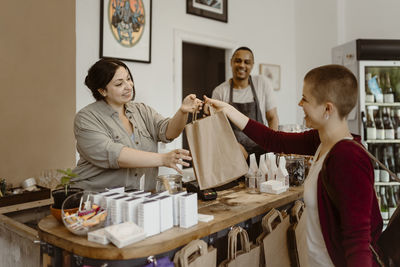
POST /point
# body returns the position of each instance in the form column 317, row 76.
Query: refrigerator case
column 374, row 56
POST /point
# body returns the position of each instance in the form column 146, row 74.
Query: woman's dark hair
column 101, row 73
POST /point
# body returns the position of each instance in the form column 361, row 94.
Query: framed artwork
column 273, row 72
column 125, row 30
column 212, row 9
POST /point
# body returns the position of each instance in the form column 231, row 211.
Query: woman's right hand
column 177, row 156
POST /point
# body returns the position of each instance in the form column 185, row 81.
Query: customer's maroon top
column 350, row 228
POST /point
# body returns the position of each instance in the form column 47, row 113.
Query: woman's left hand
column 191, row 104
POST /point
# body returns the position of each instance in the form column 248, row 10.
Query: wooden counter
column 232, row 207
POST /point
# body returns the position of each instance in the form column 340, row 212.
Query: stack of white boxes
column 175, row 203
column 166, row 213
column 152, row 213
column 149, row 216
column 130, row 209
column 188, row 215
column 116, row 209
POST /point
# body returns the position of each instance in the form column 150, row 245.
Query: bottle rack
column 395, row 104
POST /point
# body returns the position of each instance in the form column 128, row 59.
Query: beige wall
column 37, row 81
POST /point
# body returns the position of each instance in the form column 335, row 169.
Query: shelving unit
column 385, row 141
column 395, row 104
column 386, row 183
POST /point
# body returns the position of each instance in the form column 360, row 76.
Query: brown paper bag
column 196, row 254
column 274, row 239
column 297, row 235
column 248, row 256
column 217, row 158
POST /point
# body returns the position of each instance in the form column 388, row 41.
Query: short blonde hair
column 336, row 84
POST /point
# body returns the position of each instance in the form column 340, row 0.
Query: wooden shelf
column 387, row 183
column 395, row 104
column 384, row 141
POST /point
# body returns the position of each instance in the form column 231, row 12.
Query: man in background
column 251, row 95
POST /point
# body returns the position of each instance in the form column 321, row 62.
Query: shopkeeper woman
column 339, row 232
column 117, row 138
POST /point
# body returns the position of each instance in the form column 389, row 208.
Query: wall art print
column 126, row 30
column 212, row 9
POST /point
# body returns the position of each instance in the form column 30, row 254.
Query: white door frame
column 181, row 36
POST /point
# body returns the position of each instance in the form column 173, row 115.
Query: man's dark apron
column 251, row 110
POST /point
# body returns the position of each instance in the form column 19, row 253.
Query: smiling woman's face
column 119, row 90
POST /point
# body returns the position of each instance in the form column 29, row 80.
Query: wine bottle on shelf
column 390, row 159
column 383, row 174
column 374, row 84
column 388, row 95
column 369, row 97
column 396, row 123
column 380, row 131
column 396, row 194
column 387, row 124
column 370, row 125
column 384, row 204
column 397, row 159
column 375, row 152
column 391, row 201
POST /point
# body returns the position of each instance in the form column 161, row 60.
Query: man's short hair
column 243, row 48
column 336, row 84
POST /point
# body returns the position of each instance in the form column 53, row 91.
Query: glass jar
column 296, row 167
column 170, row 182
column 253, row 181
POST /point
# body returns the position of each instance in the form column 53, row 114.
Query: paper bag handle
column 190, row 249
column 232, row 241
column 194, row 114
column 269, row 218
column 297, row 210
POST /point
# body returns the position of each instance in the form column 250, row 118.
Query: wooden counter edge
column 166, row 241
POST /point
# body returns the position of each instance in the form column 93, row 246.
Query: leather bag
column 196, row 254
column 273, row 240
column 217, row 157
column 248, row 255
column 389, row 241
column 297, row 236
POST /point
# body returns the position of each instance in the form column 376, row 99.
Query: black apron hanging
column 251, row 110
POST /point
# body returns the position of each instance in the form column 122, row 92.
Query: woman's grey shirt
column 100, row 137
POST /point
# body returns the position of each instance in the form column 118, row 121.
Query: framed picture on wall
column 125, row 30
column 273, row 72
column 212, row 9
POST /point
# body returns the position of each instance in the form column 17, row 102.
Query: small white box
column 149, row 216
column 106, row 202
column 116, row 209
column 98, row 236
column 130, row 209
column 124, row 234
column 271, row 185
column 175, row 203
column 166, row 213
column 188, row 214
column 205, row 217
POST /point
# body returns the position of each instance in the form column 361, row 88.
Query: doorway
column 203, row 69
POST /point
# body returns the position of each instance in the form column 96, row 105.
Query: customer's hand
column 214, row 103
column 177, row 156
column 191, row 104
